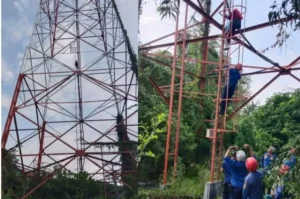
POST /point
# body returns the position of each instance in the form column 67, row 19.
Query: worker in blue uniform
column 266, row 163
column 227, row 181
column 284, row 169
column 268, row 159
column 238, row 170
column 234, row 76
column 253, row 186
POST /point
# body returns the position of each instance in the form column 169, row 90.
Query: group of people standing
column 243, row 180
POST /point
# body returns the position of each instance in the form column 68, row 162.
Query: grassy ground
column 183, row 188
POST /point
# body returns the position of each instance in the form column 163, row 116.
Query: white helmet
column 272, row 149
column 240, row 155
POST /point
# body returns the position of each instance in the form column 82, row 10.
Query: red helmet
column 251, row 164
column 239, row 66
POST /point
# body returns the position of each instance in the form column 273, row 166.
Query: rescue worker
column 268, row 159
column 238, row 170
column 227, row 182
column 253, row 186
column 234, row 24
column 284, row 169
column 234, row 76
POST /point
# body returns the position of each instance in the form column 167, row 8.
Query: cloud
column 148, row 20
column 5, row 101
column 7, row 72
column 90, row 92
column 18, row 6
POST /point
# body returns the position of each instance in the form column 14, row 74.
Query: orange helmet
column 251, row 164
column 239, row 66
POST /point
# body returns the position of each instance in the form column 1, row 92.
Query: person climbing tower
column 268, row 158
column 253, row 186
column 234, row 24
column 234, row 76
column 238, row 170
column 76, row 64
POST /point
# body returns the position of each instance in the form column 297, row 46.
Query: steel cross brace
column 282, row 72
column 219, row 26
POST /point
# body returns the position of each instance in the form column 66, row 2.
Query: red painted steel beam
column 47, row 131
column 41, row 146
column 196, row 24
column 216, row 121
column 179, row 108
column 219, row 26
column 164, row 64
column 112, row 128
column 158, row 90
column 170, row 114
column 203, row 13
column 253, row 96
column 12, row 111
column 46, row 179
column 55, row 25
column 293, row 63
column 295, row 77
column 180, row 42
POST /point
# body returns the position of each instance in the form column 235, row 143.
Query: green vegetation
column 62, row 185
column 274, row 123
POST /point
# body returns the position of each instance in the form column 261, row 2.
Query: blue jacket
column 253, row 187
column 227, row 172
column 234, row 76
column 238, row 171
column 267, row 160
column 291, row 162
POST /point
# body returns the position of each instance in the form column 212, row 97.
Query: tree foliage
column 194, row 146
column 63, row 185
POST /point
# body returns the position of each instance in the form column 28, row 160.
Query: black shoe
column 226, row 46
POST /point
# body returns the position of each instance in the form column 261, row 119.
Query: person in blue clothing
column 234, row 76
column 268, row 159
column 227, row 182
column 266, row 162
column 238, row 169
column 253, row 186
column 284, row 169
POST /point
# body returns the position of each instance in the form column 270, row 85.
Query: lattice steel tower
column 76, row 95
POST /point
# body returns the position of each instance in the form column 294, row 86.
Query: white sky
column 17, row 25
column 151, row 27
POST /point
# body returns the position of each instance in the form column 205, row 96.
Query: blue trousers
column 237, row 193
column 231, row 90
column 227, row 191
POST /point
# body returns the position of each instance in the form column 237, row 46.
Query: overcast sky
column 18, row 18
column 151, row 27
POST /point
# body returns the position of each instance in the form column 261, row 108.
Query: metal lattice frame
column 216, row 134
column 78, row 75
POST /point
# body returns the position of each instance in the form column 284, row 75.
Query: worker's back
column 234, row 76
column 238, row 172
column 227, row 172
column 253, row 187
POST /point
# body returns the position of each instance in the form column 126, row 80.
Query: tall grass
column 183, row 187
